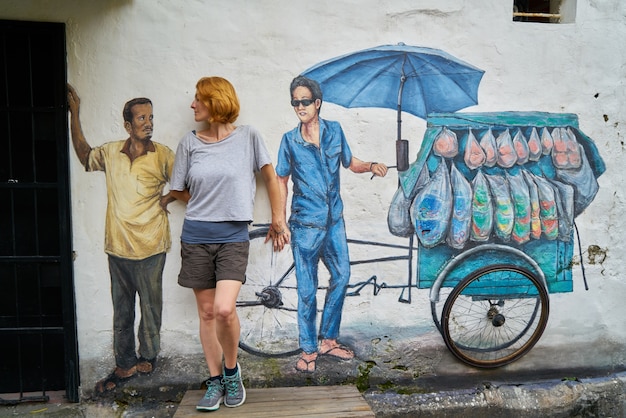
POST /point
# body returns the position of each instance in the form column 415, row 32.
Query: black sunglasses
column 304, row 102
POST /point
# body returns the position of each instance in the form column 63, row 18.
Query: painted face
column 200, row 111
column 306, row 113
column 140, row 127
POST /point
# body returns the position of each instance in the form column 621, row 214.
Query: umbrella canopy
column 413, row 79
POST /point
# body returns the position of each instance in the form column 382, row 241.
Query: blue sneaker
column 235, row 392
column 213, row 396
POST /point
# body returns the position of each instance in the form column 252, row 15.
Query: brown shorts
column 203, row 265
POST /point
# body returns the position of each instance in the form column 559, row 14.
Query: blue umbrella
column 413, row 79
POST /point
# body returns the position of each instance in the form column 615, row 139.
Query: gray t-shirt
column 220, row 176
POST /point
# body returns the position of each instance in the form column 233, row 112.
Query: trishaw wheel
column 495, row 315
column 267, row 302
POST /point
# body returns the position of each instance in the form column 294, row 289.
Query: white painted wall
column 119, row 49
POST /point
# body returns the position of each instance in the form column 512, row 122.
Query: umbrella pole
column 402, row 145
column 402, row 80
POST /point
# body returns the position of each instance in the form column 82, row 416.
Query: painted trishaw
column 492, row 199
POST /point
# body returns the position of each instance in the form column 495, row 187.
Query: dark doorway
column 39, row 351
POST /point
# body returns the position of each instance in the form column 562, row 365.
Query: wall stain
column 596, row 255
column 422, row 12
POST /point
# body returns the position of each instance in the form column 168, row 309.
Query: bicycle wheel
column 267, row 302
column 495, row 315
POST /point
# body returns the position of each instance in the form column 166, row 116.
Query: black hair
column 312, row 85
column 127, row 113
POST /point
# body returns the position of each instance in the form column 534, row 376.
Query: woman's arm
column 180, row 195
column 278, row 232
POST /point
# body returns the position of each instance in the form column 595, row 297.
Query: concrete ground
column 589, row 397
column 390, row 391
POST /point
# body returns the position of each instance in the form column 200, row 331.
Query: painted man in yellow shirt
column 137, row 233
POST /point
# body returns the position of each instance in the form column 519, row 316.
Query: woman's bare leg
column 213, row 353
column 227, row 320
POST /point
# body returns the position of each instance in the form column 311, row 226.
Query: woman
column 214, row 173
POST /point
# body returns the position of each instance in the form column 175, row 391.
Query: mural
column 398, row 77
column 137, row 232
column 492, row 199
column 311, row 155
column 488, row 207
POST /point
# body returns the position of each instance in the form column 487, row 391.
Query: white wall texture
column 119, row 49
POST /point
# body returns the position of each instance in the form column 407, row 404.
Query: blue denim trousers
column 131, row 278
column 311, row 245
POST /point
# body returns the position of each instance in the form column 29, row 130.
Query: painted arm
column 165, row 200
column 377, row 169
column 279, row 233
column 81, row 146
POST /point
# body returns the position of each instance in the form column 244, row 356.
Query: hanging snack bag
column 459, row 230
column 535, row 220
column 534, row 146
column 565, row 206
column 521, row 207
column 521, row 147
column 488, row 144
column 432, row 207
column 559, row 157
column 574, row 156
column 565, row 150
column 546, row 141
column 565, row 153
column 446, row 144
column 583, row 180
column 503, row 206
column 474, row 156
column 547, row 208
column 399, row 216
column 482, row 209
column 506, row 152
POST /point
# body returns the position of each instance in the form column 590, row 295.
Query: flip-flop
column 309, row 365
column 111, row 382
column 339, row 351
column 145, row 366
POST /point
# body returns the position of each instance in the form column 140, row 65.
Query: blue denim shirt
column 314, row 171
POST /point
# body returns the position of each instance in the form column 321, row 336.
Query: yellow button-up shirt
column 136, row 226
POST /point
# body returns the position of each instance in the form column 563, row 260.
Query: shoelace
column 231, row 384
column 212, row 389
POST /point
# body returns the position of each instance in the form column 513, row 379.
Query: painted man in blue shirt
column 311, row 154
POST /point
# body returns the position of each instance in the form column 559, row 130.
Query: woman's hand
column 280, row 236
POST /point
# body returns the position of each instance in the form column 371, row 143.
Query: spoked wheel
column 267, row 303
column 495, row 315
